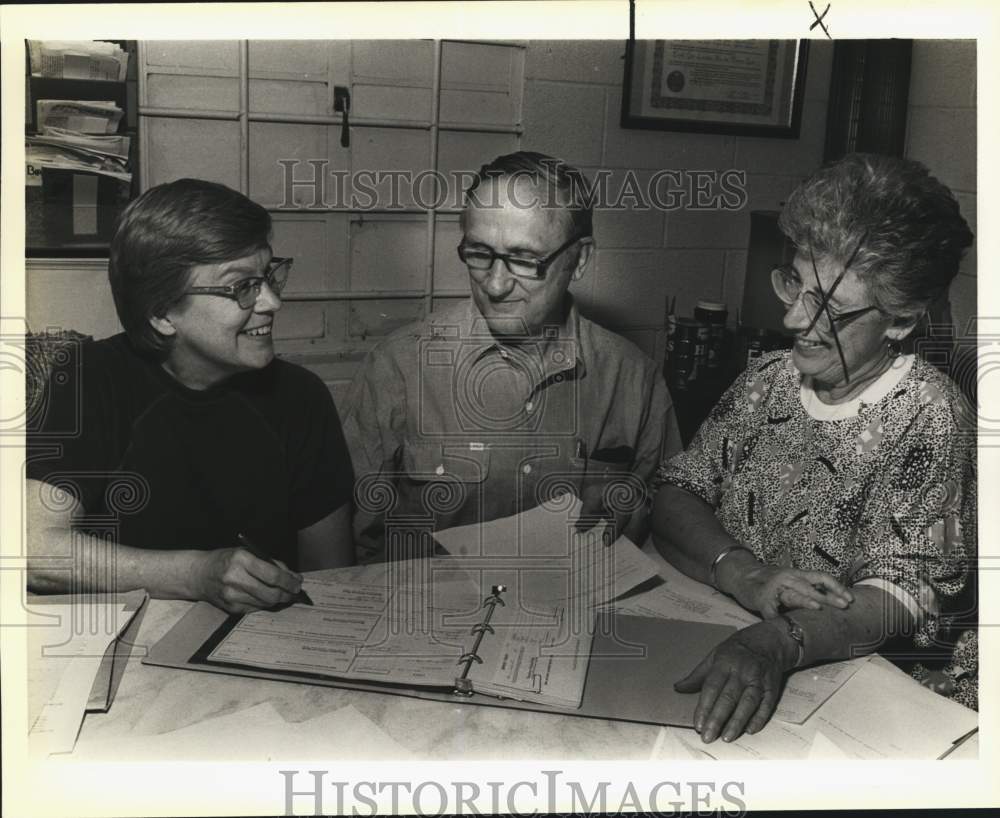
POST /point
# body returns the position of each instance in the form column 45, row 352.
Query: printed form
column 409, row 622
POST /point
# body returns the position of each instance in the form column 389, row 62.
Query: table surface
column 156, row 700
column 153, row 701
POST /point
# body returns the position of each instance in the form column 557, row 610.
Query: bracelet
column 797, row 635
column 725, row 552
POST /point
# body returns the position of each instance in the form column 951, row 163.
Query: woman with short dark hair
column 213, row 470
column 832, row 489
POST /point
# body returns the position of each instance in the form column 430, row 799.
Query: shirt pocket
column 606, row 484
column 443, row 477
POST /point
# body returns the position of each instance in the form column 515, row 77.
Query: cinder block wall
column 572, row 109
column 941, row 133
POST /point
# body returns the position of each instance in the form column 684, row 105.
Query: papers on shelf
column 90, row 117
column 77, row 59
column 66, row 647
column 41, row 153
column 115, row 145
column 257, row 733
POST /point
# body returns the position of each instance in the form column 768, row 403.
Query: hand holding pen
column 243, row 579
column 299, row 596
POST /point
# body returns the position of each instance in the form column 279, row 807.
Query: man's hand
column 236, row 581
column 767, row 589
column 740, row 681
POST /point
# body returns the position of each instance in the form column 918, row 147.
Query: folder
column 633, row 665
column 112, row 667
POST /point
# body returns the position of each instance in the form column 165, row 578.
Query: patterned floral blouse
column 880, row 491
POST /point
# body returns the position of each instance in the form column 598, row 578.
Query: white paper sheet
column 681, row 597
column 257, row 733
column 879, row 713
column 409, row 622
column 542, row 557
column 66, row 644
column 805, row 690
column 883, row 713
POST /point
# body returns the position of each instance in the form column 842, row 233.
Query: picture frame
column 741, row 87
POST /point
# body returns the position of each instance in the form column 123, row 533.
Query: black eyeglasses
column 483, row 258
column 246, row 291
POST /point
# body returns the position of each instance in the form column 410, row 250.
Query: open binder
column 633, row 665
column 430, row 629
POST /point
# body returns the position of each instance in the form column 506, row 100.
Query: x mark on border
column 819, row 19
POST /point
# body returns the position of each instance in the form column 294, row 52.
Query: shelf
column 67, row 216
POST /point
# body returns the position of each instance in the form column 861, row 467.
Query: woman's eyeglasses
column 246, row 291
column 483, row 258
column 788, row 287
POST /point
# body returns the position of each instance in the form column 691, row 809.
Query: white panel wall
column 567, row 96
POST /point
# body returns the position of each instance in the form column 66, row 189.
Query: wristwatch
column 797, row 634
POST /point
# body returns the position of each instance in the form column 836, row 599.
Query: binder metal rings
column 463, row 684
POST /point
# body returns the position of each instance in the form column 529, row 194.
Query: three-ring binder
column 463, row 684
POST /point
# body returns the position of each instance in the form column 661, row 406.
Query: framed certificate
column 745, row 87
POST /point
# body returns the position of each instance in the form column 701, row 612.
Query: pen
column 958, row 743
column 301, row 597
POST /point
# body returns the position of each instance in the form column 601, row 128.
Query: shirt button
column 439, row 470
column 526, row 468
column 529, row 406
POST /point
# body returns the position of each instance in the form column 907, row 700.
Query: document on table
column 409, row 622
column 805, row 690
column 66, row 645
column 879, row 713
column 257, row 733
column 680, row 597
column 883, row 713
column 776, row 742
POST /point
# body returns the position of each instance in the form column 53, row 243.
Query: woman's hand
column 238, row 582
column 740, row 681
column 768, row 588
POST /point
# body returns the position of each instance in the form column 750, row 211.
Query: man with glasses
column 223, row 471
column 500, row 402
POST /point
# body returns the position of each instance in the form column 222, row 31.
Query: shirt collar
column 561, row 345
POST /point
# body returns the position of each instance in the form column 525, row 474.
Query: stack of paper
column 41, row 153
column 77, row 59
column 69, row 665
column 114, row 146
column 85, row 116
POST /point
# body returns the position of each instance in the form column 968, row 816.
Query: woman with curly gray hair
column 832, row 489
